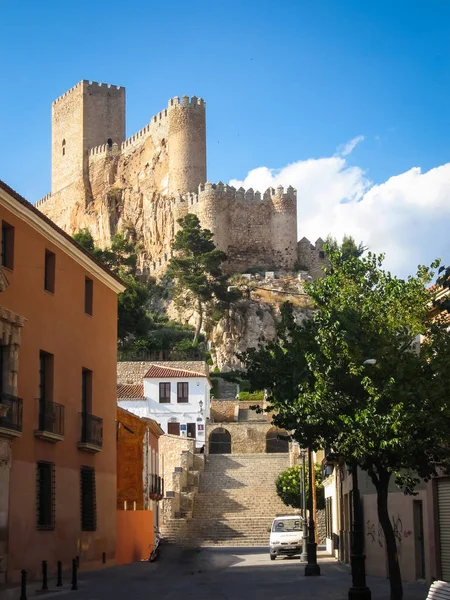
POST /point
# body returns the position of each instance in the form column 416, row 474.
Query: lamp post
column 312, row 568
column 304, row 554
column 359, row 589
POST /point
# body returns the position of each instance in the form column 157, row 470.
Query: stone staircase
column 235, row 504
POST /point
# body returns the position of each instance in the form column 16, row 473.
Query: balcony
column 10, row 415
column 156, row 487
column 51, row 421
column 91, row 439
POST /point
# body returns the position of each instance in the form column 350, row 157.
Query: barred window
column 45, row 496
column 88, row 499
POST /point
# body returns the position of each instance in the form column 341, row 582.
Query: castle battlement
column 43, row 200
column 222, row 190
column 186, row 101
column 104, row 149
column 89, row 84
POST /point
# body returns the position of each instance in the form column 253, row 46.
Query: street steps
column 235, row 504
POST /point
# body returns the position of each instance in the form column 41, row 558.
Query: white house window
column 164, row 393
column 183, row 391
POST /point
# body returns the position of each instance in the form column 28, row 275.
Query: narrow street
column 227, row 574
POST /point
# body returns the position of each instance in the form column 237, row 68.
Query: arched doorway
column 277, row 440
column 220, row 441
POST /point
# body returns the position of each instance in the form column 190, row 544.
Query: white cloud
column 406, row 217
column 348, row 148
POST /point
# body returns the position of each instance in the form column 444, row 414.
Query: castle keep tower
column 187, row 144
column 86, row 116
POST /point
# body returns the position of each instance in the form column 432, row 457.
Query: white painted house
column 177, row 398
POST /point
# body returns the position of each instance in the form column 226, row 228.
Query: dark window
column 88, row 501
column 86, row 391
column 88, row 295
column 45, row 495
column 45, row 376
column 321, row 254
column 329, row 518
column 7, row 246
column 63, row 147
column 49, row 273
column 173, row 428
column 164, row 393
column 183, row 391
column 109, row 143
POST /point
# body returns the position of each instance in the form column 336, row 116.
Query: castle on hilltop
column 143, row 184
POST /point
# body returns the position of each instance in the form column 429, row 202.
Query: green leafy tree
column 120, row 257
column 391, row 416
column 197, row 267
column 288, row 486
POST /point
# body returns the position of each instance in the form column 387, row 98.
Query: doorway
column 191, row 430
column 419, row 546
column 173, row 428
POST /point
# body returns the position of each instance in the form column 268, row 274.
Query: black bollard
column 74, row 574
column 44, row 575
column 59, row 582
column 23, row 585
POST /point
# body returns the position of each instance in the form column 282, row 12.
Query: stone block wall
column 246, row 437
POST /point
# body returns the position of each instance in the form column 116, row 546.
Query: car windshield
column 286, row 525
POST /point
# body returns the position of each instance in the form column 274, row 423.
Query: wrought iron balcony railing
column 91, row 438
column 50, row 421
column 157, row 485
column 10, row 415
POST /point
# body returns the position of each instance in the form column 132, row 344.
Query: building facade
column 413, row 519
column 140, row 485
column 176, row 397
column 58, row 334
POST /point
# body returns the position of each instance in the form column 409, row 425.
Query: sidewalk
column 225, row 574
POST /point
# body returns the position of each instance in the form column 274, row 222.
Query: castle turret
column 284, row 226
column 186, row 144
column 88, row 115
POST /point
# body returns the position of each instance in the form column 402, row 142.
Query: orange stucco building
column 58, row 333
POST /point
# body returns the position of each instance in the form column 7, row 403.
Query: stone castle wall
column 141, row 185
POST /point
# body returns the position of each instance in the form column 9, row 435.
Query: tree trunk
column 395, row 577
column 199, row 323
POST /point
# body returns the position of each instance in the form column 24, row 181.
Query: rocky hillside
column 252, row 319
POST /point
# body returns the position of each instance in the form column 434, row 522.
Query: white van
column 286, row 536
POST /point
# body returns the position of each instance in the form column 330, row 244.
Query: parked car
column 286, row 536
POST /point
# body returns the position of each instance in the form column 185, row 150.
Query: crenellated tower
column 186, row 144
column 88, row 115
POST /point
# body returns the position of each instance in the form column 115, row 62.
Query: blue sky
column 284, row 81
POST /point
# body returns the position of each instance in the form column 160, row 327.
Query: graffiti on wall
column 375, row 534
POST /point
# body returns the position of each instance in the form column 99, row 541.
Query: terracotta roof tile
column 132, row 391
column 160, row 372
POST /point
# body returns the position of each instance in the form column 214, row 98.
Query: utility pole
column 312, row 568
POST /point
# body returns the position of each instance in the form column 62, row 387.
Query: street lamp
column 304, row 554
column 359, row 589
column 312, row 568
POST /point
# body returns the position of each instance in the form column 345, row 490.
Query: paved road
column 227, row 574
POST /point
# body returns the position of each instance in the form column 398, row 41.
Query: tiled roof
column 133, row 391
column 5, row 187
column 157, row 371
